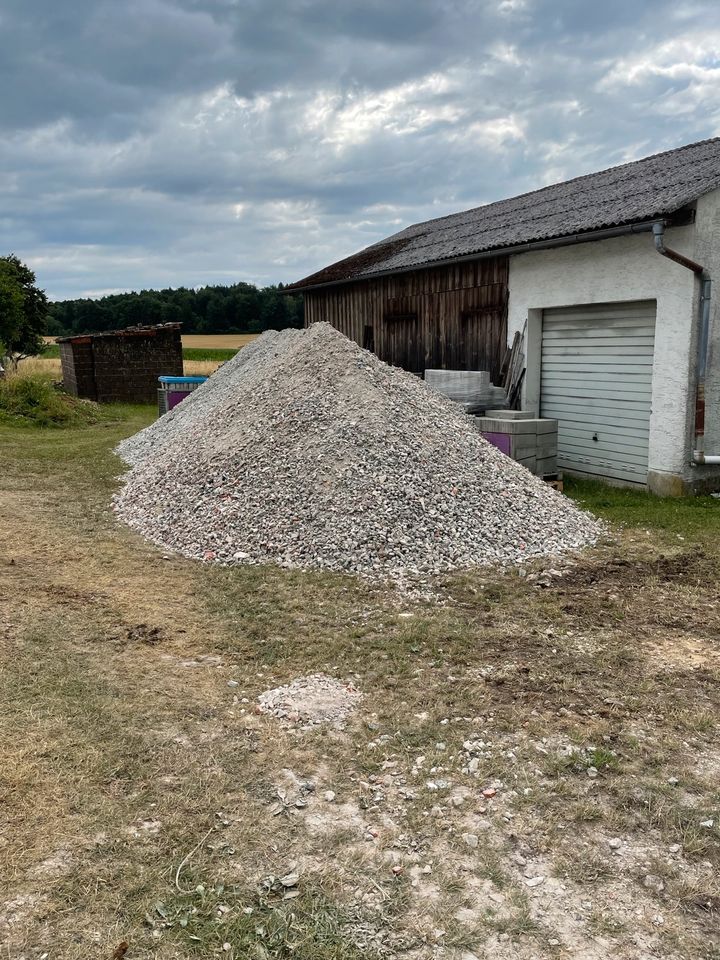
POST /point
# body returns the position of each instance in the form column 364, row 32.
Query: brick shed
column 121, row 365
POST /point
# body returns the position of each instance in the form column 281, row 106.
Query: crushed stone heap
column 307, row 451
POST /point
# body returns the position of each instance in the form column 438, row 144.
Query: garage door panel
column 623, row 436
column 598, row 342
column 634, row 326
column 596, row 381
column 603, row 314
column 584, row 446
column 623, row 409
column 602, row 379
column 580, row 429
column 603, row 471
column 583, row 361
column 590, row 393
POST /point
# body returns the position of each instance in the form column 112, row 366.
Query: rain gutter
column 699, row 457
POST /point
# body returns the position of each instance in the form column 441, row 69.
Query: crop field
column 532, row 769
column 220, row 341
column 201, row 354
column 201, row 341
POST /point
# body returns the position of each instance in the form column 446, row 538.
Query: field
column 201, row 354
column 202, row 341
column 533, row 769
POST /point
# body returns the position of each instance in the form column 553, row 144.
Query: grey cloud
column 186, row 141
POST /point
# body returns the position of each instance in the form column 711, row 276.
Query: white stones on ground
column 470, row 840
column 653, row 883
column 534, row 881
column 311, row 700
column 329, row 796
column 615, row 843
column 306, row 451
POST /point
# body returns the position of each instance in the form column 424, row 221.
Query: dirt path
column 530, row 767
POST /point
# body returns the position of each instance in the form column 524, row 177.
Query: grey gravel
column 307, row 451
column 310, row 700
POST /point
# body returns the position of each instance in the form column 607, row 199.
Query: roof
column 138, row 331
column 643, row 190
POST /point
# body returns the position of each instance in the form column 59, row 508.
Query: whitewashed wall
column 626, row 268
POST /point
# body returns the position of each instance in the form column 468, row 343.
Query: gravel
column 310, row 700
column 307, row 451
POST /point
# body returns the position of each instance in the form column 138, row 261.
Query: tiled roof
column 655, row 187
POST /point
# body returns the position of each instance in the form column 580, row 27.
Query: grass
column 52, row 352
column 32, row 400
column 688, row 517
column 206, row 353
column 124, row 754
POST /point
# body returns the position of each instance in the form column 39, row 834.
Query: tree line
column 238, row 308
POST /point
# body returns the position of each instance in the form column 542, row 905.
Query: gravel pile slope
column 202, row 400
column 311, row 452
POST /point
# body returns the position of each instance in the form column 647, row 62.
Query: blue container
column 173, row 390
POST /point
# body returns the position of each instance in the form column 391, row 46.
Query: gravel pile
column 307, row 451
column 311, row 700
column 203, row 400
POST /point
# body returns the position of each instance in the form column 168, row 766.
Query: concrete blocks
column 529, row 440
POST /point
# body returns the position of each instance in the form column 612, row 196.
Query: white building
column 608, row 279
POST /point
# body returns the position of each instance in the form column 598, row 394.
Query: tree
column 23, row 311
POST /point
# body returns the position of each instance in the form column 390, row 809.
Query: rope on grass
column 187, row 857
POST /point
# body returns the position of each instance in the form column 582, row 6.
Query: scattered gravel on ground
column 311, row 700
column 307, row 451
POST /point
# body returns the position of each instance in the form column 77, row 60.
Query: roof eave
column 605, row 233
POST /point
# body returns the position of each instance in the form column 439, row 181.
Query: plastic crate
column 173, row 391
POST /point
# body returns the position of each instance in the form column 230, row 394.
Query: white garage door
column 596, row 380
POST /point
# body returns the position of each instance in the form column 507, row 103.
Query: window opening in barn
column 369, row 338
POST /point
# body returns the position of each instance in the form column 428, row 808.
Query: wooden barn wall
column 452, row 318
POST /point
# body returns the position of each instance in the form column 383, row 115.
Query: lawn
column 146, row 802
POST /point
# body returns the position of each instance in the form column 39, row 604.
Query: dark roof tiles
column 642, row 190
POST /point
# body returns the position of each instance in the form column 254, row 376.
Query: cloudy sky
column 149, row 143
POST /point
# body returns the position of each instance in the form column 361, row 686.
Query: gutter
column 605, row 234
column 699, row 457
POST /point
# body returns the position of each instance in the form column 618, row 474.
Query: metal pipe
column 699, row 456
column 658, row 230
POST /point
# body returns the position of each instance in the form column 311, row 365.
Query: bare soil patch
column 532, row 769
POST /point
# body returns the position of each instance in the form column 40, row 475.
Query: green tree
column 23, row 311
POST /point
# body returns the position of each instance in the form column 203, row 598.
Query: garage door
column 596, row 380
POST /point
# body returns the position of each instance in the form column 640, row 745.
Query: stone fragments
column 307, row 451
column 311, row 700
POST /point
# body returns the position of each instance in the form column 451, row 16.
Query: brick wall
column 123, row 366
column 78, row 368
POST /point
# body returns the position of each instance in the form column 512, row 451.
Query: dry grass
column 123, row 750
column 48, row 368
column 214, row 341
column 53, row 369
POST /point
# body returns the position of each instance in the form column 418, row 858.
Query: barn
column 607, row 278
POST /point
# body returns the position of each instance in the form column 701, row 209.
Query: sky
column 156, row 143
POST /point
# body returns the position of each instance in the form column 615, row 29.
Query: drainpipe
column 699, row 456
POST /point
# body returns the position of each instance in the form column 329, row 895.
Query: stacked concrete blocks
column 529, row 440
